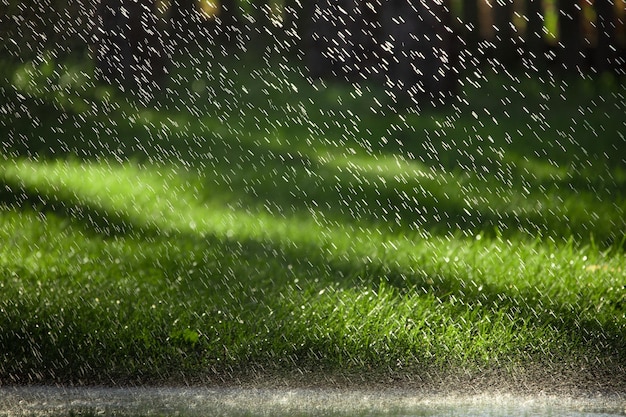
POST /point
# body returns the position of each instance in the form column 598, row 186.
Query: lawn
column 248, row 223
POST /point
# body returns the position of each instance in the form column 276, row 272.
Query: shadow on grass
column 475, row 191
column 353, row 270
column 270, row 140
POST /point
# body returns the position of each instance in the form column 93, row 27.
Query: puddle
column 192, row 402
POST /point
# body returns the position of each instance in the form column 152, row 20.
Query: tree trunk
column 112, row 49
column 407, row 46
column 534, row 32
column 184, row 21
column 471, row 25
column 263, row 29
column 569, row 52
column 128, row 48
column 401, row 41
column 334, row 27
column 296, row 25
column 262, row 17
column 605, row 25
column 450, row 46
column 419, row 42
column 504, row 41
column 229, row 17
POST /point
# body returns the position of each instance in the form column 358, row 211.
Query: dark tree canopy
column 505, row 35
column 407, row 46
column 417, row 50
column 570, row 57
column 129, row 44
column 606, row 52
column 534, row 32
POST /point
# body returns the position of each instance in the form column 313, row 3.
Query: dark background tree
column 184, row 22
column 334, row 49
column 570, row 43
column 129, row 44
column 262, row 29
column 534, row 33
column 407, row 46
column 228, row 22
column 505, row 45
column 297, row 23
column 606, row 50
column 471, row 26
column 30, row 29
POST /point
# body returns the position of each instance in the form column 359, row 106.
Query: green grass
column 251, row 220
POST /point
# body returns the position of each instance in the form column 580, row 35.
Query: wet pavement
column 234, row 402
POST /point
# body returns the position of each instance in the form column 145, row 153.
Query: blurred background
column 415, row 49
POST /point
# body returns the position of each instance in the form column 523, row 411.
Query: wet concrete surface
column 236, row 402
